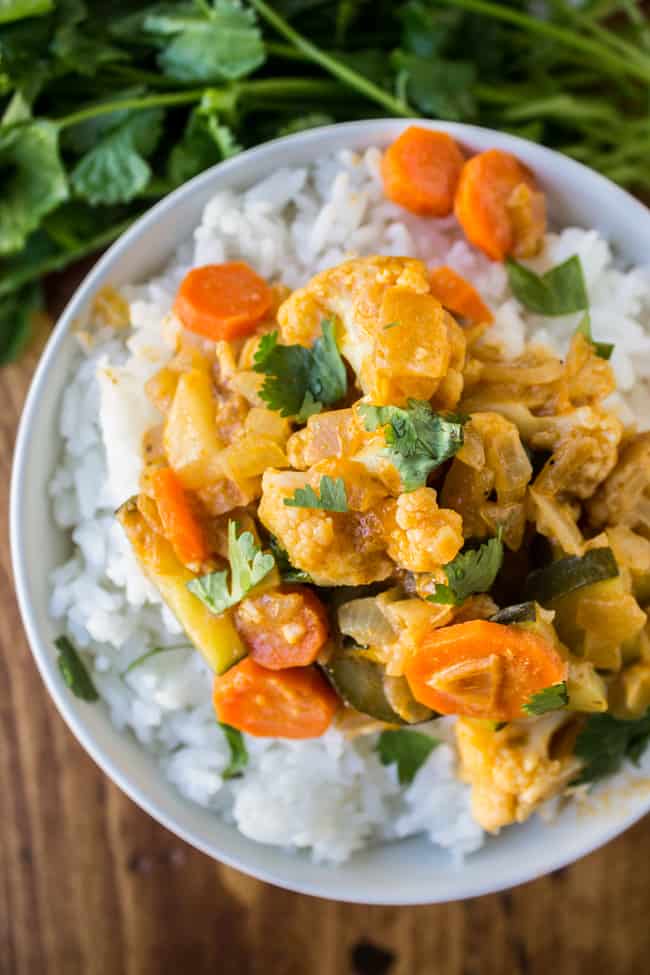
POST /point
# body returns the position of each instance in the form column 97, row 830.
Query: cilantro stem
column 569, row 38
column 330, row 64
column 290, row 88
column 286, row 51
column 607, row 36
column 263, row 88
column 56, row 262
column 125, row 104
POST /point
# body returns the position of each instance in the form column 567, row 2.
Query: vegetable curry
column 357, row 505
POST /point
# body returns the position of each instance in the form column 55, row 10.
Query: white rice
column 329, row 795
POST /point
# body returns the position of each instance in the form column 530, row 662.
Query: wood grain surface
column 90, row 885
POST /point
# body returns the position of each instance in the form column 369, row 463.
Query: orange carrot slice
column 222, row 301
column 482, row 669
column 421, row 171
column 283, row 628
column 294, row 703
column 458, row 295
column 181, row 526
column 485, row 205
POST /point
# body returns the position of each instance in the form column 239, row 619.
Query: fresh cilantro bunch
column 418, row 440
column 106, row 107
column 248, row 566
column 472, row 571
column 300, row 382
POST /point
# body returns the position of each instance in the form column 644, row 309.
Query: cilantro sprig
column 560, row 291
column 248, row 566
column 602, row 349
column 287, row 570
column 549, row 699
column 238, row 752
column 407, row 749
column 300, row 382
column 605, row 742
column 73, row 670
column 472, row 571
column 331, row 495
column 417, row 439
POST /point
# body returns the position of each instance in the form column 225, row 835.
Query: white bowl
column 408, row 872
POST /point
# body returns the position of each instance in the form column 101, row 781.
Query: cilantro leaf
column 418, row 439
column 148, row 654
column 332, row 496
column 427, row 31
column 73, row 670
column 204, row 143
column 549, row 699
column 248, row 566
column 560, row 291
column 470, row 572
column 409, row 750
column 602, row 349
column 328, row 379
column 238, row 752
column 33, row 180
column 115, row 170
column 605, row 742
column 438, row 87
column 202, row 43
column 76, row 44
column 17, row 311
column 18, row 9
column 300, row 381
column 288, row 572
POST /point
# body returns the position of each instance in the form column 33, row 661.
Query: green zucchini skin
column 360, row 682
column 519, row 613
column 566, row 575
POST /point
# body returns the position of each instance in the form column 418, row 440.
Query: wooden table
column 90, row 885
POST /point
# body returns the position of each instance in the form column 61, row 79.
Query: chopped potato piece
column 192, row 442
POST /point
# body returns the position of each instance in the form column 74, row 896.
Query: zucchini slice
column 362, row 683
column 519, row 613
column 214, row 636
column 566, row 575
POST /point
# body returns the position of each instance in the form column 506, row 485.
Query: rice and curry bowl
column 357, row 489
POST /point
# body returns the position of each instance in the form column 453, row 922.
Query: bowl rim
column 65, row 703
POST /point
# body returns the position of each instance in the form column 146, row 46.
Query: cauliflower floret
column 420, row 536
column 514, row 770
column 335, row 548
column 397, row 337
